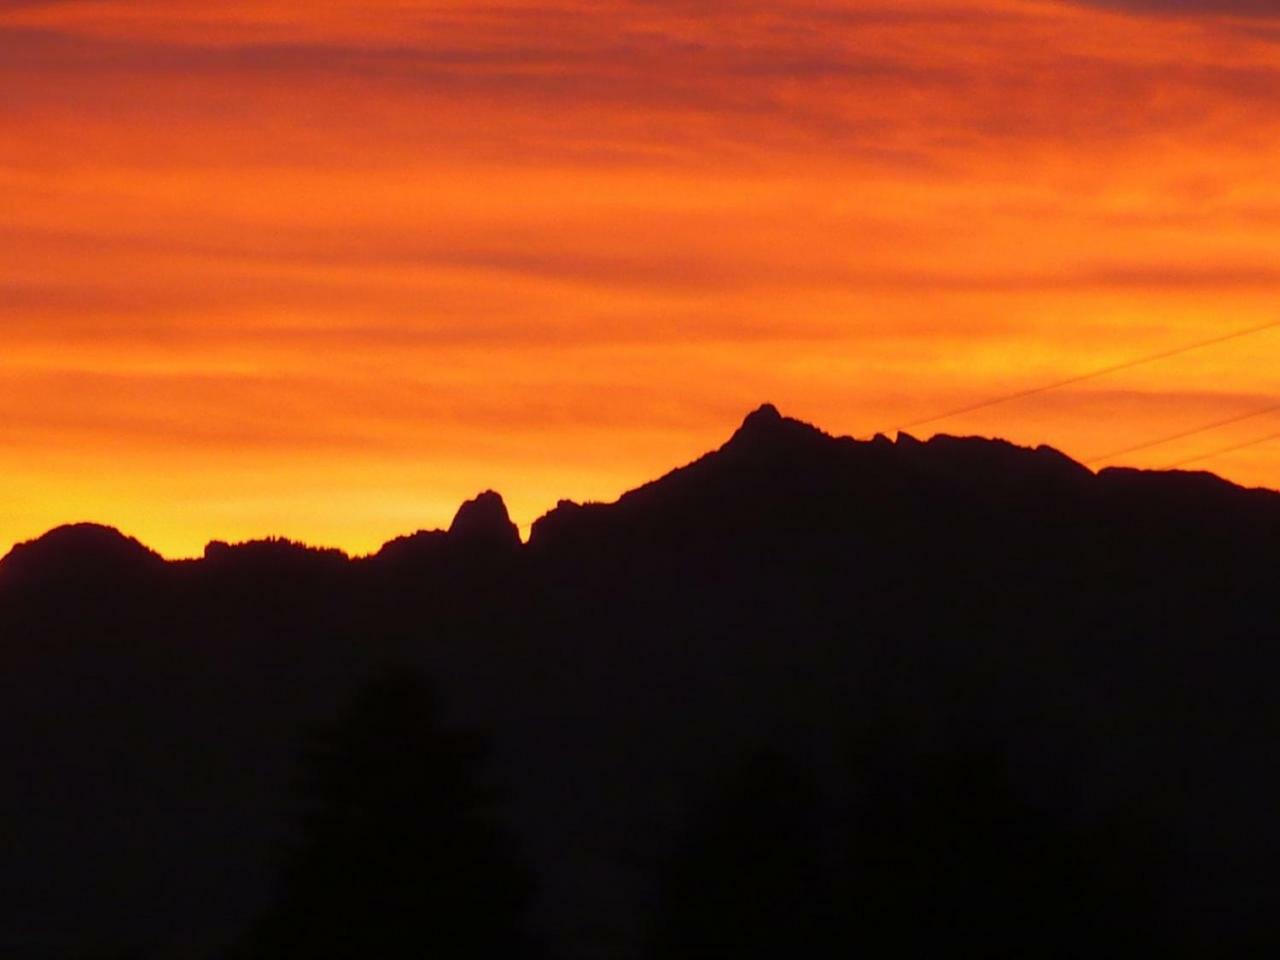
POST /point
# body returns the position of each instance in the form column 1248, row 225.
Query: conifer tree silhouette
column 948, row 857
column 400, row 852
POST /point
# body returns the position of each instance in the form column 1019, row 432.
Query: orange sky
column 325, row 269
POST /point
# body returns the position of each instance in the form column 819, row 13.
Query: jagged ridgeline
column 804, row 695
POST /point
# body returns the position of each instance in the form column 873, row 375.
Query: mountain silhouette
column 1088, row 658
column 484, row 521
column 79, row 553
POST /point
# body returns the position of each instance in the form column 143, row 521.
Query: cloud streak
column 1230, row 8
column 279, row 253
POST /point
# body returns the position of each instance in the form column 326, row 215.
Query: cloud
column 337, row 229
column 1228, row 8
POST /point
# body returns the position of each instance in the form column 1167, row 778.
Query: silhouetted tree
column 749, row 878
column 400, row 853
column 949, row 856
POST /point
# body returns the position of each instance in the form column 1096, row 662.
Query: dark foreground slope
column 1004, row 697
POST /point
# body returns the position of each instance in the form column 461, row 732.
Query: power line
column 1093, row 374
column 1185, row 433
column 1220, row 452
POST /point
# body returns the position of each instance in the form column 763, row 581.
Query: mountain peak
column 766, row 428
column 79, row 550
column 484, row 520
column 762, row 417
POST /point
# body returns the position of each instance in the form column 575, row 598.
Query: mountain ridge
column 765, row 435
column 1110, row 638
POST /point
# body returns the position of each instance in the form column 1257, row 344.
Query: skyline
column 326, row 271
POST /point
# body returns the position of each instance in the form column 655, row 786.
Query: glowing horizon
column 326, row 270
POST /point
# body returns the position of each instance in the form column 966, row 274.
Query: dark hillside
column 1027, row 676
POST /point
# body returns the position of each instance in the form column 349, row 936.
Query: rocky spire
column 765, row 429
column 484, row 521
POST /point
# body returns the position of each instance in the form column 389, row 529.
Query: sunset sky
column 326, row 269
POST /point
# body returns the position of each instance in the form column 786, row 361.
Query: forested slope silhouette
column 1070, row 676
